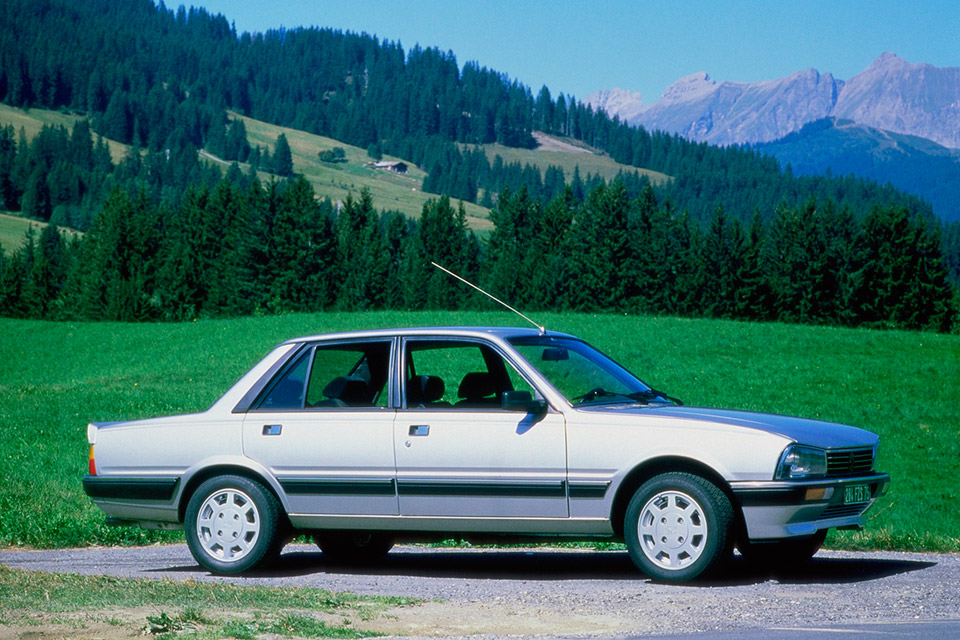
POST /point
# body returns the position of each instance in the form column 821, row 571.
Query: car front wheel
column 232, row 524
column 677, row 527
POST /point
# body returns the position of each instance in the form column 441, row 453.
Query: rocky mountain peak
column 626, row 104
column 690, row 87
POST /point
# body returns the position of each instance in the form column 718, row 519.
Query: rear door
column 324, row 429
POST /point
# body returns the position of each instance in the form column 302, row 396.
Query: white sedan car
column 363, row 438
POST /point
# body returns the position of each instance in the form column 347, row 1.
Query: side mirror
column 523, row 401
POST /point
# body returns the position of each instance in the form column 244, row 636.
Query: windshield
column 582, row 374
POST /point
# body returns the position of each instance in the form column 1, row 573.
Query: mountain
column 890, row 94
column 916, row 99
column 843, row 147
column 702, row 109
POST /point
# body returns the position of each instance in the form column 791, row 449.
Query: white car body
column 558, row 469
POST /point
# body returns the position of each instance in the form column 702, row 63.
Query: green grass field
column 59, row 376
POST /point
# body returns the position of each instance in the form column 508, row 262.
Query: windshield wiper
column 652, row 395
column 594, row 394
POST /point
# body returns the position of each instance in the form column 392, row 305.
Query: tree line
column 237, row 249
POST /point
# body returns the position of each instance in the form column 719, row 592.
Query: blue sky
column 579, row 47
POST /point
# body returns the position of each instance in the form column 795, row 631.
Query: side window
column 349, row 375
column 331, row 376
column 450, row 374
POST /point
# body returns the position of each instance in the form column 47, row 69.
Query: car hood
column 828, row 435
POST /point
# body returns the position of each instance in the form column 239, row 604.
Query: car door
column 324, row 429
column 458, row 452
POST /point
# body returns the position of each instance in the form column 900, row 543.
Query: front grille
column 843, row 511
column 849, row 462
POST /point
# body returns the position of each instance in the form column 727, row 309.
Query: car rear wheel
column 353, row 546
column 677, row 527
column 232, row 524
column 782, row 554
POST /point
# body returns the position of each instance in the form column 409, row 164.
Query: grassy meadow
column 32, row 120
column 59, row 376
column 568, row 153
column 76, row 606
column 13, row 231
column 335, row 181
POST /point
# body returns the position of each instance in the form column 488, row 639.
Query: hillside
column 569, row 154
column 334, row 181
column 912, row 164
column 32, row 120
column 13, row 231
column 391, row 191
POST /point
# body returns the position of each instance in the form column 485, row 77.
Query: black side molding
column 131, row 487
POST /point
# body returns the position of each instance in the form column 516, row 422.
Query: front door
column 458, row 453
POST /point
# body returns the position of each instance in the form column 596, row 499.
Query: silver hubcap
column 673, row 530
column 228, row 525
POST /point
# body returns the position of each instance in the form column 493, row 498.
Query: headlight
column 800, row 463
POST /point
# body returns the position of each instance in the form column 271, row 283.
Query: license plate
column 856, row 494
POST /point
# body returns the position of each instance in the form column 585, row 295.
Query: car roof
column 463, row 332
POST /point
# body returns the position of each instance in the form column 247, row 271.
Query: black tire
column 248, row 521
column 678, row 527
column 353, row 546
column 782, row 554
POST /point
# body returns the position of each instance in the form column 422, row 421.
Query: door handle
column 419, row 430
column 272, row 429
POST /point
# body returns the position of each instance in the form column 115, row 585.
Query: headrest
column 477, row 384
column 350, row 389
column 425, row 389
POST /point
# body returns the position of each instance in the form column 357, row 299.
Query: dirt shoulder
column 537, row 593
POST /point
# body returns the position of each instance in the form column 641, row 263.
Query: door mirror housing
column 523, row 401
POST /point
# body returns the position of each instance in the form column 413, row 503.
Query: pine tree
column 364, row 260
column 9, row 193
column 604, row 264
column 282, row 159
column 753, row 295
column 303, row 250
column 722, row 264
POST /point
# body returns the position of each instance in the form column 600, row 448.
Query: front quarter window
column 287, row 393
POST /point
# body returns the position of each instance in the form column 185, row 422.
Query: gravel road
column 563, row 593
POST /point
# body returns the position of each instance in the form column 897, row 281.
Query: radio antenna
column 494, row 298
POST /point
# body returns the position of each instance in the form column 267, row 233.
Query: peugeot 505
column 363, row 438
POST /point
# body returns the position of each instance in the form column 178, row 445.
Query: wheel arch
column 224, row 469
column 668, row 464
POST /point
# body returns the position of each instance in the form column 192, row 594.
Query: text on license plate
column 856, row 493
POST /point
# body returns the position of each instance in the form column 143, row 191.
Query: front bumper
column 785, row 509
